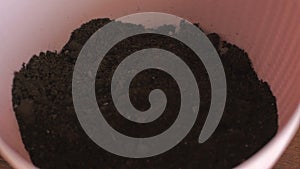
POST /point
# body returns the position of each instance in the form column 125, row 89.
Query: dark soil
column 42, row 100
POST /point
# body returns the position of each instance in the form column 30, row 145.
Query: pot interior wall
column 268, row 30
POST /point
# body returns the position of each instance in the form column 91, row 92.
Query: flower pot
column 268, row 30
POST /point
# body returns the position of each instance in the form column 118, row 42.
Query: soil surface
column 42, row 100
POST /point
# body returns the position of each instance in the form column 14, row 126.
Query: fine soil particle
column 42, row 100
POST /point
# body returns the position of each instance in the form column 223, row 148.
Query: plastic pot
column 268, row 30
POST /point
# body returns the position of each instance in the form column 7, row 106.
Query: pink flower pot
column 268, row 30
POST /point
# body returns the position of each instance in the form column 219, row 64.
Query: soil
column 50, row 130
